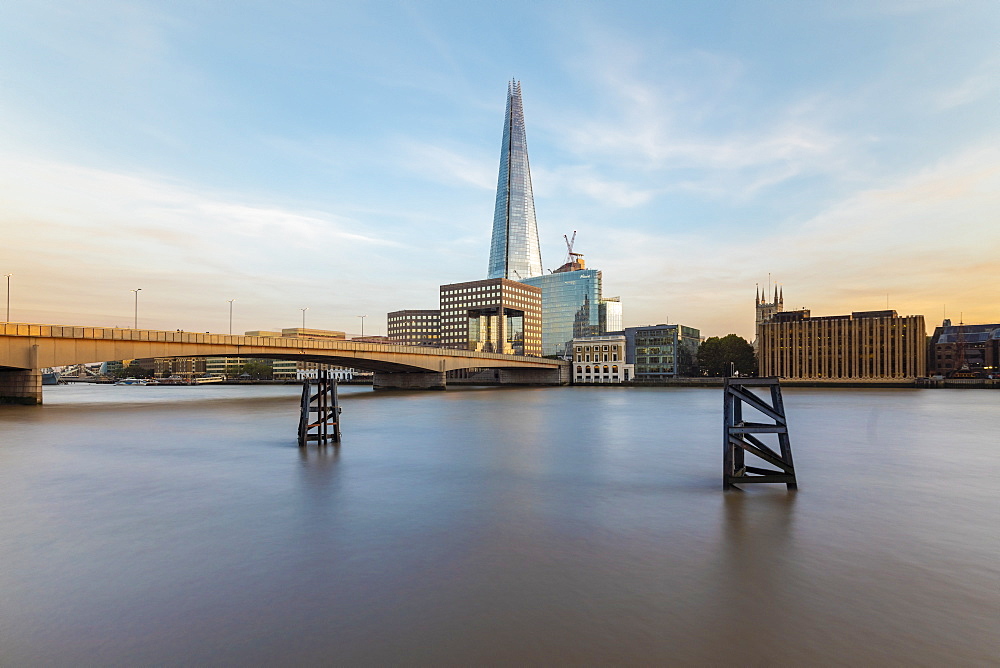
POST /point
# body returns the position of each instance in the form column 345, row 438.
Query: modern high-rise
column 571, row 307
column 493, row 315
column 515, row 253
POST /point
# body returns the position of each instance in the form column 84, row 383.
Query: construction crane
column 570, row 255
column 574, row 261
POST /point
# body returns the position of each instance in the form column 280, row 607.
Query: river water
column 145, row 525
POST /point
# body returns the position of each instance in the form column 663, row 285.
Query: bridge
column 25, row 349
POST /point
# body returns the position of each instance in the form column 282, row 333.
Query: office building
column 611, row 317
column 494, row 315
column 185, row 367
column 414, row 327
column 279, row 369
column 306, row 333
column 571, row 308
column 661, row 352
column 964, row 350
column 601, row 359
column 514, row 250
column 865, row 345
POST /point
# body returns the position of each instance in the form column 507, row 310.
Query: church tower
column 766, row 310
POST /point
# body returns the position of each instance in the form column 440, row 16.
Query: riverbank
column 923, row 383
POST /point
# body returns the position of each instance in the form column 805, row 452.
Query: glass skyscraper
column 571, row 308
column 515, row 253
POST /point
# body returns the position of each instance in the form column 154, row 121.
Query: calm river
column 178, row 526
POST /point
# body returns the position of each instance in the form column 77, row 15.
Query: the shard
column 514, row 252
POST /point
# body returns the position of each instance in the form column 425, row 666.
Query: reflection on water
column 580, row 525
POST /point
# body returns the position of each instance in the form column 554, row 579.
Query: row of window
column 588, row 348
column 585, row 357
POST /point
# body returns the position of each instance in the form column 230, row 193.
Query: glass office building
column 515, row 253
column 571, row 308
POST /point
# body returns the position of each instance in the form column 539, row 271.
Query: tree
column 717, row 356
column 256, row 370
column 133, row 370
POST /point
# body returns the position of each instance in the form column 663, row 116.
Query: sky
column 342, row 157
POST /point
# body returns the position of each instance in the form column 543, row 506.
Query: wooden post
column 741, row 437
column 319, row 419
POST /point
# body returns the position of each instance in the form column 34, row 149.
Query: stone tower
column 766, row 310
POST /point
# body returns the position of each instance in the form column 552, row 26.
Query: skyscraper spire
column 514, row 250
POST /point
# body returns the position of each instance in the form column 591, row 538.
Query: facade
column 494, row 315
column 571, row 308
column 413, row 327
column 185, row 367
column 612, row 318
column 965, row 350
column 230, row 367
column 305, row 333
column 601, row 359
column 280, row 369
column 374, row 338
column 337, row 373
column 514, row 250
column 866, row 345
column 661, row 352
column 298, row 369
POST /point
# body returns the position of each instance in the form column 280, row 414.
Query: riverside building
column 571, row 308
column 865, row 345
column 601, row 359
column 662, row 352
column 965, row 350
column 414, row 327
column 495, row 315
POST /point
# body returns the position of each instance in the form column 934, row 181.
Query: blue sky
column 343, row 156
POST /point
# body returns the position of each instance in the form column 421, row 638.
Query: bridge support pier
column 558, row 376
column 21, row 386
column 430, row 380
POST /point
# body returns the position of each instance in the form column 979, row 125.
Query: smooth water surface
column 146, row 525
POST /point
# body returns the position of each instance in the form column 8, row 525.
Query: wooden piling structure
column 319, row 420
column 740, row 436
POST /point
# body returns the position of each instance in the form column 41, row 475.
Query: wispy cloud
column 926, row 240
column 75, row 236
column 449, row 166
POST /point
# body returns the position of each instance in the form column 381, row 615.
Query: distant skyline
column 343, row 156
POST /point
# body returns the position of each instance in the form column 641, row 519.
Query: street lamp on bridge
column 362, row 324
column 135, row 322
column 231, row 315
column 304, row 316
column 7, row 276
